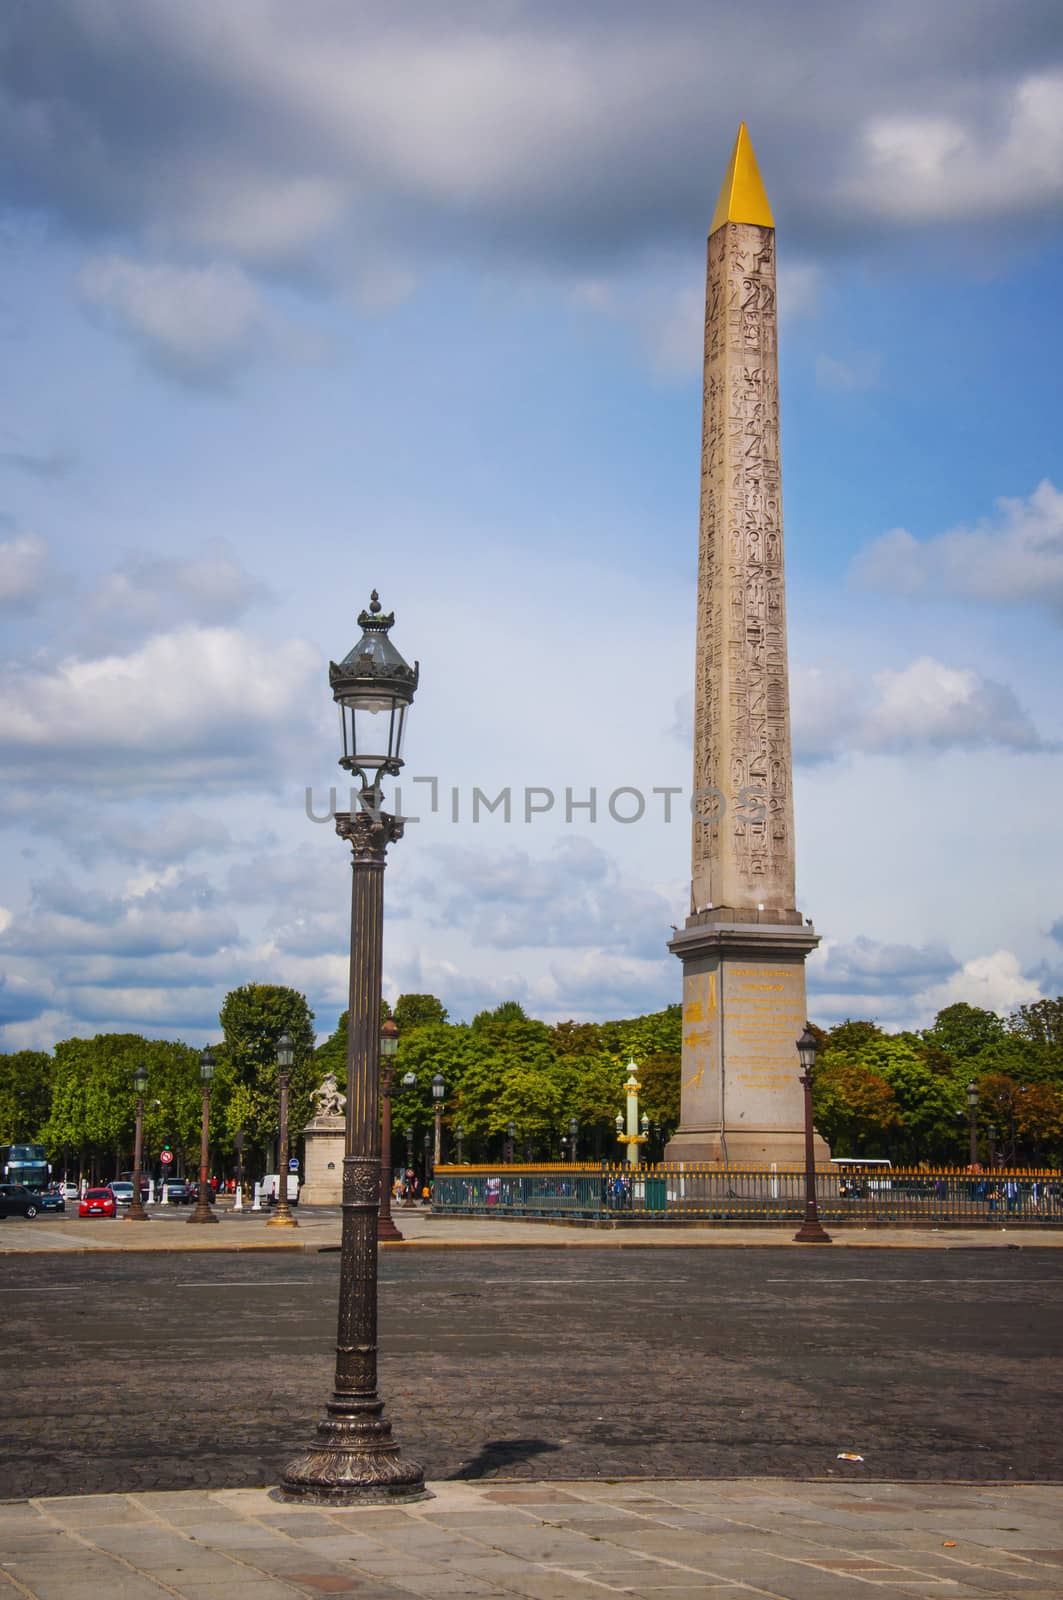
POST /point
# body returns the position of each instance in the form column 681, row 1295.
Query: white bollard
column 256, row 1203
column 165, row 1193
column 238, row 1203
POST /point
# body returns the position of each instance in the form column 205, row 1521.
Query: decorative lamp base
column 282, row 1220
column 354, row 1462
column 812, row 1232
column 386, row 1231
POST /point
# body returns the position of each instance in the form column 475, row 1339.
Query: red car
column 97, row 1203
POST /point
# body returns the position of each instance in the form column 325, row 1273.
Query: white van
column 270, row 1188
column 859, row 1176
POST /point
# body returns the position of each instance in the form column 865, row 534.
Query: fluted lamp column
column 282, row 1216
column 353, row 1459
column 136, row 1212
column 811, row 1230
column 203, row 1212
column 389, row 1044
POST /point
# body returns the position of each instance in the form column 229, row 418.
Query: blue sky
column 301, row 301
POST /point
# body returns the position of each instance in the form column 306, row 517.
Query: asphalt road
column 209, row 1370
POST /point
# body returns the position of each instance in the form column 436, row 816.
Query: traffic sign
column 166, row 1156
column 293, row 1165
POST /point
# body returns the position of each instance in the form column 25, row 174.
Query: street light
column 354, row 1459
column 282, row 1217
column 389, row 1044
column 136, row 1212
column 203, row 1213
column 644, row 1124
column 511, row 1134
column 811, row 1230
column 439, row 1090
column 459, row 1134
column 410, row 1202
column 991, row 1136
column 972, row 1120
column 573, row 1137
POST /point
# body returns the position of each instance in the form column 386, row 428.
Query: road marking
column 941, row 1283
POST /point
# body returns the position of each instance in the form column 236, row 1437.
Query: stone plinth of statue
column 325, row 1136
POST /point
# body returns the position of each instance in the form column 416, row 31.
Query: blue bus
column 26, row 1164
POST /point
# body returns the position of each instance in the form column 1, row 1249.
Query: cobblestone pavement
column 581, row 1541
column 137, row 1372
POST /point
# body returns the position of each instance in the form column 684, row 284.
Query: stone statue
column 327, row 1099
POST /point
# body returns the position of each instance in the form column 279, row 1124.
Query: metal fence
column 676, row 1194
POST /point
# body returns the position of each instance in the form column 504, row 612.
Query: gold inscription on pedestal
column 764, row 1010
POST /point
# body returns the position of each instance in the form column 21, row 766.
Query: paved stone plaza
column 577, row 1541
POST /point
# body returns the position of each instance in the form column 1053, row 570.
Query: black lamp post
column 439, row 1090
column 511, row 1134
column 573, row 1138
column 203, row 1213
column 811, row 1230
column 972, row 1120
column 282, row 1216
column 991, row 1137
column 136, row 1212
column 410, row 1202
column 354, row 1458
column 428, row 1170
column 459, row 1135
column 389, row 1044
column 644, row 1124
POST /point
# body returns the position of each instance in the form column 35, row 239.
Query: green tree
column 854, row 1108
column 963, row 1031
column 25, row 1095
column 93, row 1109
column 253, row 1018
column 416, row 1010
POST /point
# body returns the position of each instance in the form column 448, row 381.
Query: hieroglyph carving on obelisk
column 743, row 838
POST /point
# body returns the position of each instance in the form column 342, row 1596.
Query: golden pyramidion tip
column 742, row 197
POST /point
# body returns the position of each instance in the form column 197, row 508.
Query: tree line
column 901, row 1095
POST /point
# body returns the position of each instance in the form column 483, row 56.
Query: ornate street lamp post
column 389, row 1044
column 136, row 1212
column 991, row 1137
column 428, row 1169
column 573, row 1138
column 972, row 1120
column 409, row 1081
column 203, row 1213
column 354, row 1458
column 811, row 1230
column 511, row 1135
column 459, row 1135
column 439, row 1090
column 282, row 1217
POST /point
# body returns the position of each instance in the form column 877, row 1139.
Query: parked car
column 52, row 1199
column 71, row 1191
column 179, row 1192
column 17, row 1201
column 122, row 1191
column 97, row 1203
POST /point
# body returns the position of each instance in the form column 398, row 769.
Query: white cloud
column 149, row 593
column 197, row 705
column 995, row 982
column 930, row 706
column 939, row 167
column 925, row 706
column 197, row 323
column 1014, row 559
column 902, row 986
column 578, row 896
column 23, row 571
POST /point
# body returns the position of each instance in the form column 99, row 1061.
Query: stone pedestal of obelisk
column 744, row 946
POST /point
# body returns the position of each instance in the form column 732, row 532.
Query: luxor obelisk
column 744, row 945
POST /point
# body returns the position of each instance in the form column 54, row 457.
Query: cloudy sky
column 299, row 300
